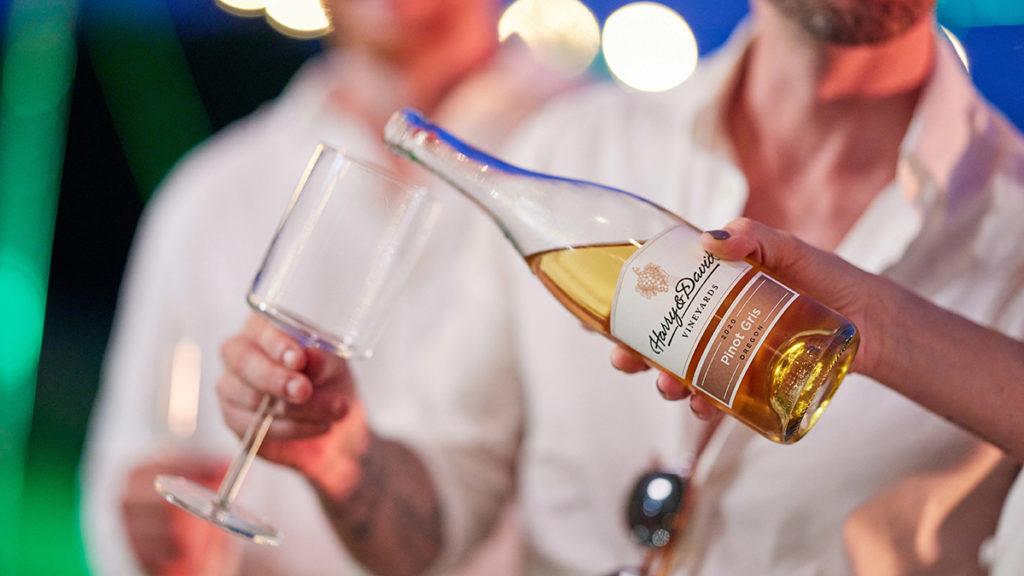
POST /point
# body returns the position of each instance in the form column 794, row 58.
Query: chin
column 855, row 22
column 403, row 16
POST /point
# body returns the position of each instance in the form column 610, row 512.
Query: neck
column 377, row 84
column 803, row 103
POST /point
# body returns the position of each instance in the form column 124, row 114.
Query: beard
column 855, row 22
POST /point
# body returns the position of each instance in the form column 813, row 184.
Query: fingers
column 238, row 419
column 744, row 238
column 146, row 518
column 232, row 390
column 153, row 551
column 325, row 367
column 727, row 244
column 785, row 255
column 823, row 275
column 703, row 408
column 275, row 344
column 327, row 404
column 670, row 388
column 204, row 470
column 250, row 364
column 627, row 361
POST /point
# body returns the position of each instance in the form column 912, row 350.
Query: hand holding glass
column 349, row 240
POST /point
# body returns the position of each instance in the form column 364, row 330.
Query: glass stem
column 251, row 443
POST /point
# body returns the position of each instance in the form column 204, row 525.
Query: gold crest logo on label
column 651, row 280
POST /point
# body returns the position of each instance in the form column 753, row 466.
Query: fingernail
column 660, row 391
column 657, row 384
column 719, row 234
column 291, row 358
column 295, row 389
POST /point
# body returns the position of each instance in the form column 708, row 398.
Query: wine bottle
column 630, row 269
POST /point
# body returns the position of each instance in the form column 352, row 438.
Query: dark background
column 150, row 79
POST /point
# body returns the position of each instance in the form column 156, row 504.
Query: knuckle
column 742, row 225
column 788, row 240
column 278, row 381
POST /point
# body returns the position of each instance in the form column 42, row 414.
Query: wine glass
column 349, row 240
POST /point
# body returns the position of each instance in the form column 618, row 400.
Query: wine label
column 739, row 335
column 669, row 292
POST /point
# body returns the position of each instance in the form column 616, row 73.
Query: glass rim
column 369, row 166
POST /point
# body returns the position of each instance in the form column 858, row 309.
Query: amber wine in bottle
column 764, row 353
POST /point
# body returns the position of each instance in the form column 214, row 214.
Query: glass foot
column 203, row 502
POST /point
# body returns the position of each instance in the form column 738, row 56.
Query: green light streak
column 37, row 70
column 149, row 90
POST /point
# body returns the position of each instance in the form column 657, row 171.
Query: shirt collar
column 948, row 118
column 488, row 104
column 947, row 133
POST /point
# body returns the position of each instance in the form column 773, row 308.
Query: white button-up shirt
column 949, row 228
column 199, row 245
column 1008, row 545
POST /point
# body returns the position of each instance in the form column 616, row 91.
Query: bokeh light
column 22, row 303
column 298, row 18
column 295, row 18
column 243, row 7
column 563, row 34
column 649, row 47
column 183, row 393
column 958, row 46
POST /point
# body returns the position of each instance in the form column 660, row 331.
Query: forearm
column 969, row 374
column 390, row 521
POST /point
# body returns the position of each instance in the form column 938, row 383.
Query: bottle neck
column 441, row 152
column 537, row 212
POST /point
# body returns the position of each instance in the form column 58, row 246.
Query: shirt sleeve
column 123, row 428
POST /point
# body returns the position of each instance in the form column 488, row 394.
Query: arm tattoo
column 392, row 521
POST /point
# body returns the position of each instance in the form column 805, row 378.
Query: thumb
column 746, row 238
column 820, row 274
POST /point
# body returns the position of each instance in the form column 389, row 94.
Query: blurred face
column 394, row 26
column 854, row 22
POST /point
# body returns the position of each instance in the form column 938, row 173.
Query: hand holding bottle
column 637, row 273
column 924, row 352
column 822, row 275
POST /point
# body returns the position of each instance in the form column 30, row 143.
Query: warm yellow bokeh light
column 183, row 390
column 298, row 18
column 561, row 33
column 958, row 46
column 243, row 7
column 649, row 47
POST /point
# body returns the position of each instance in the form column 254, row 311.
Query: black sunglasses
column 651, row 511
column 653, row 504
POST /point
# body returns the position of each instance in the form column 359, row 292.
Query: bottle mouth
column 403, row 126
